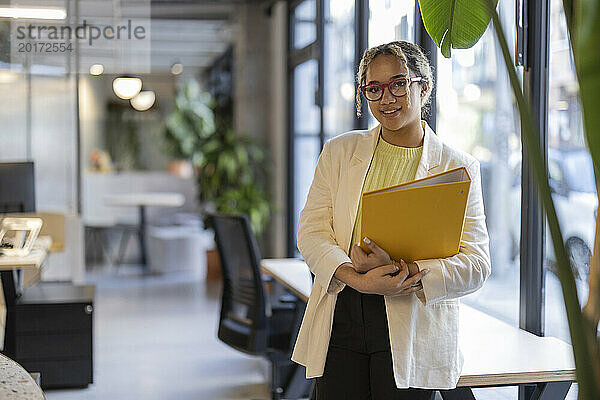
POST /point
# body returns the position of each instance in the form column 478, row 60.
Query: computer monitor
column 17, row 187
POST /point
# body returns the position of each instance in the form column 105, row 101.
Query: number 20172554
column 44, row 47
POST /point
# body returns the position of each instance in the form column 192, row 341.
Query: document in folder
column 418, row 220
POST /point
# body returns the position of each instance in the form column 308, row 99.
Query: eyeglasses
column 397, row 87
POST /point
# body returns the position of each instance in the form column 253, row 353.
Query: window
column 571, row 176
column 388, row 21
column 475, row 113
column 318, row 113
column 304, row 24
column 307, row 129
column 338, row 58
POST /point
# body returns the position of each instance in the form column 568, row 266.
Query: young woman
column 377, row 328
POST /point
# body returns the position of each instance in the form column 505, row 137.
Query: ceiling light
column 33, row 13
column 144, row 100
column 97, row 69
column 176, row 69
column 126, row 88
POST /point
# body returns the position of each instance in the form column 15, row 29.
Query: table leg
column 460, row 393
column 297, row 386
column 143, row 236
column 551, row 390
column 10, row 295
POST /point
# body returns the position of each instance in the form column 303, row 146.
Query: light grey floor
column 155, row 338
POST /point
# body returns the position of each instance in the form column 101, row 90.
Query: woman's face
column 392, row 112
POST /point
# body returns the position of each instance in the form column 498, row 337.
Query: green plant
column 460, row 24
column 229, row 165
column 121, row 137
column 191, row 123
column 230, row 172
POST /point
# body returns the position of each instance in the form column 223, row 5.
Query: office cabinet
column 50, row 330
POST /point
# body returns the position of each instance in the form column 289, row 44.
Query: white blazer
column 423, row 327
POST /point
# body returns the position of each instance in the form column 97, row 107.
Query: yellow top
column 391, row 165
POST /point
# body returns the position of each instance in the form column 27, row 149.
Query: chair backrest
column 243, row 322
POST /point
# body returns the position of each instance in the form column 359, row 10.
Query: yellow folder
column 418, row 220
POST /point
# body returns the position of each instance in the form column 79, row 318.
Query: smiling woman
column 367, row 331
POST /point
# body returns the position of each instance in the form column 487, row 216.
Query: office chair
column 250, row 320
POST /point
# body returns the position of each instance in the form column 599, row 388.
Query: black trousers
column 359, row 359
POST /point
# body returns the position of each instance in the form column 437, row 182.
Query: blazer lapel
column 357, row 172
column 432, row 152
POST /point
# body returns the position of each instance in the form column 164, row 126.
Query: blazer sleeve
column 316, row 238
column 464, row 273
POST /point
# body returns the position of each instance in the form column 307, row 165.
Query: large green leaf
column 585, row 35
column 455, row 24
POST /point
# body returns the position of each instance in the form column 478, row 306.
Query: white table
column 495, row 353
column 143, row 200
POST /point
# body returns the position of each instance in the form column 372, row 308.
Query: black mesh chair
column 252, row 321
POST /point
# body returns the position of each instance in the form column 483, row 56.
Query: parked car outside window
column 574, row 193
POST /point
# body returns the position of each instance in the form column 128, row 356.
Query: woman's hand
column 391, row 280
column 364, row 262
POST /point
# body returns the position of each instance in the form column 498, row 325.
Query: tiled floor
column 155, row 338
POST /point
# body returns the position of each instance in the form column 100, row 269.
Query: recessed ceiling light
column 97, row 69
column 176, row 69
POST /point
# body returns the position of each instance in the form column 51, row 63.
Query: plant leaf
column 455, row 24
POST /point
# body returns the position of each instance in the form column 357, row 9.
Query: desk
column 495, row 353
column 16, row 382
column 12, row 283
column 143, row 200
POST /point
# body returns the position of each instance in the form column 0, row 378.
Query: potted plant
column 190, row 124
column 228, row 165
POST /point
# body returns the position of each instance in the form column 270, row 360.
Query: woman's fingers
column 375, row 249
column 357, row 251
column 409, row 290
column 403, row 270
column 416, row 278
column 387, row 269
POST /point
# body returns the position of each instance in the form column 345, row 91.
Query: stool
column 173, row 248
